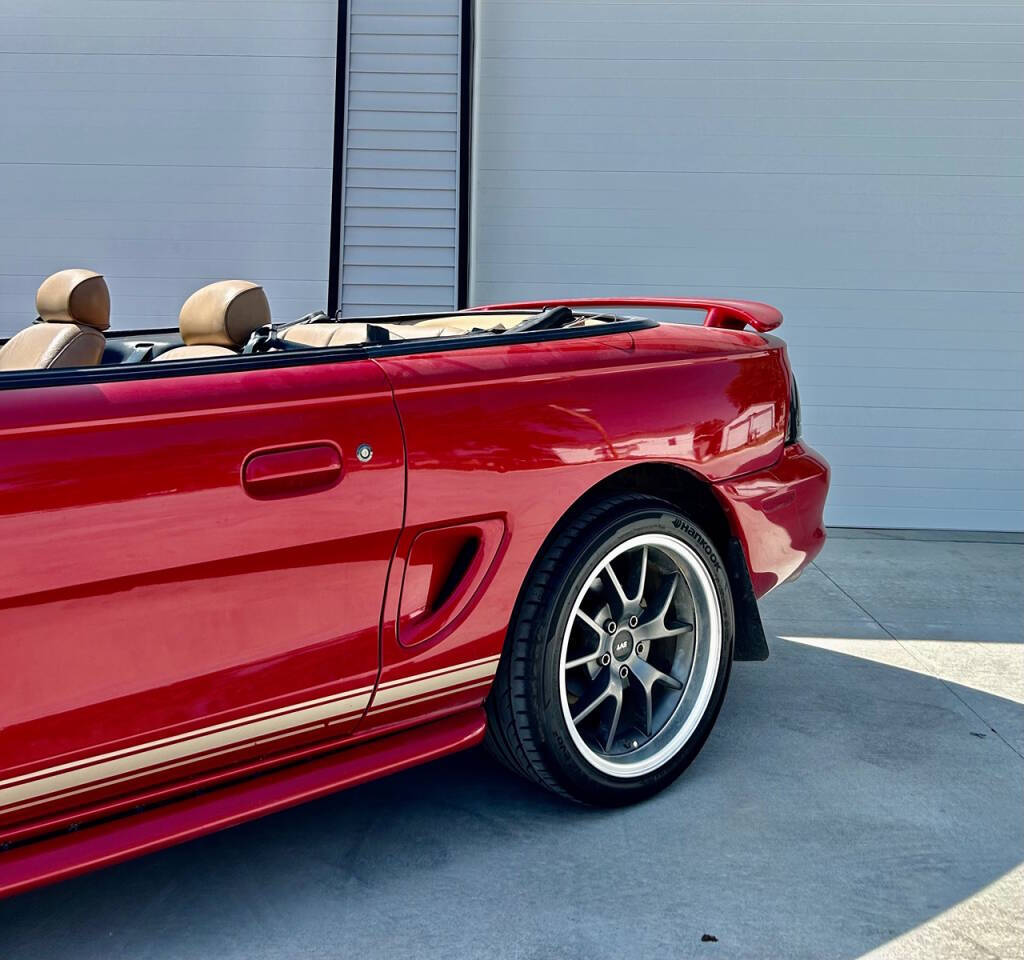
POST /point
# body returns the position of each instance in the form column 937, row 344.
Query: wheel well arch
column 685, row 490
column 693, row 496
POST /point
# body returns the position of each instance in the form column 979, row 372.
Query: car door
column 191, row 569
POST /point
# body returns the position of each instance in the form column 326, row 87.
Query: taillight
column 793, row 427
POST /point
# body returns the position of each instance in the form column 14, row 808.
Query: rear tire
column 618, row 655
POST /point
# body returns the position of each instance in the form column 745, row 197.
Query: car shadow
column 839, row 803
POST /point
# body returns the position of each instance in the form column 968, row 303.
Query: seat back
column 74, row 307
column 218, row 319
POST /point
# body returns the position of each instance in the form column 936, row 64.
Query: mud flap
column 751, row 643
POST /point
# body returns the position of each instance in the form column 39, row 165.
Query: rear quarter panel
column 519, row 433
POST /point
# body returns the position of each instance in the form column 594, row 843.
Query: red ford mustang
column 246, row 564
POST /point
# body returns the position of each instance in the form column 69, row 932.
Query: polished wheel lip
column 679, row 727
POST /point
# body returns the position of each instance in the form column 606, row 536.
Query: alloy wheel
column 639, row 655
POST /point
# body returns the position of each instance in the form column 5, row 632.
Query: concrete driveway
column 862, row 794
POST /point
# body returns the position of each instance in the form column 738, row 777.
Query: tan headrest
column 75, row 296
column 224, row 314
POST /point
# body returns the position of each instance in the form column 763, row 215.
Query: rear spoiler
column 723, row 314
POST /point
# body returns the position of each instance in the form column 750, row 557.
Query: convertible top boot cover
column 74, row 306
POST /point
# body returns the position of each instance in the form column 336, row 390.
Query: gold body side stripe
column 167, row 753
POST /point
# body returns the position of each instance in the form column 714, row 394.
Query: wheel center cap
column 622, row 645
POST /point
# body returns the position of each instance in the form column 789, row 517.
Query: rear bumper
column 777, row 515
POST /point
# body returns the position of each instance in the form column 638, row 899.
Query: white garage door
column 167, row 144
column 401, row 161
column 858, row 165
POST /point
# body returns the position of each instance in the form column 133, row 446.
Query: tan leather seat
column 74, row 306
column 217, row 320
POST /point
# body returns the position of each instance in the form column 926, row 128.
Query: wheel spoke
column 591, row 700
column 665, row 602
column 642, row 581
column 617, row 586
column 590, row 623
column 614, row 728
column 649, row 675
column 648, row 710
column 579, row 661
column 657, row 630
column 656, row 625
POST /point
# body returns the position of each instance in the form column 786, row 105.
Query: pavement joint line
column 928, row 667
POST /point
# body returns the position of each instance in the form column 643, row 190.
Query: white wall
column 858, row 165
column 166, row 144
column 401, row 172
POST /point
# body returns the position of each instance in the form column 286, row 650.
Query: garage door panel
column 934, row 398
column 401, row 162
column 690, row 153
column 916, row 517
column 870, row 457
column 875, row 130
column 401, row 100
column 161, row 33
column 857, row 166
column 356, row 309
column 874, row 377
column 403, row 179
column 199, row 44
column 506, row 15
column 377, row 139
column 783, row 45
column 402, row 159
column 923, row 360
column 400, row 82
column 772, row 249
column 244, row 192
column 764, row 68
column 399, row 255
column 733, row 95
column 167, row 145
column 399, row 43
column 725, row 37
column 76, row 66
column 435, row 63
column 876, row 495
column 200, row 10
column 403, row 25
column 860, row 473
column 687, row 276
column 401, row 198
column 432, row 218
column 407, row 298
column 866, row 415
column 988, row 447
column 252, row 234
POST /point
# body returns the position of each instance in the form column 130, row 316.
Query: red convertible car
column 246, row 564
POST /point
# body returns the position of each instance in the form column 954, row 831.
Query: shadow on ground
column 839, row 803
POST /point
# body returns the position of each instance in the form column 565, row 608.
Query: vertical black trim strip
column 465, row 151
column 338, row 168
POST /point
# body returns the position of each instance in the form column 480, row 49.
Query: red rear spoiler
column 724, row 314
